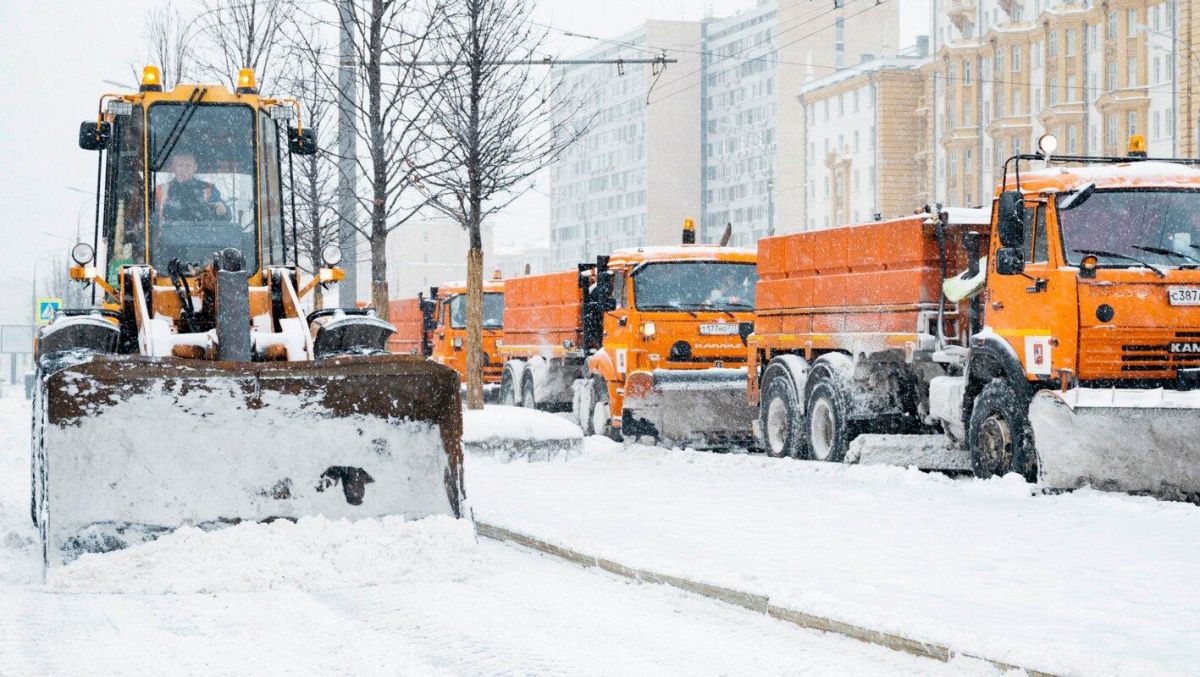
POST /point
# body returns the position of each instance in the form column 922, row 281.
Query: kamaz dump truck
column 436, row 326
column 1060, row 341
column 197, row 391
column 646, row 342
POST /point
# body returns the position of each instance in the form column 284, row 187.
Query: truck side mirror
column 303, row 141
column 1010, row 261
column 93, row 135
column 1010, row 221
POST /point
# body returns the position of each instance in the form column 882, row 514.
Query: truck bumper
column 1145, row 441
column 700, row 408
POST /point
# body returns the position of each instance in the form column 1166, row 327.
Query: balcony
column 962, row 15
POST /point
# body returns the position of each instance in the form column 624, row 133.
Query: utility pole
column 347, row 165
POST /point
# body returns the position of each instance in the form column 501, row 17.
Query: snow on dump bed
column 1081, row 583
column 314, row 553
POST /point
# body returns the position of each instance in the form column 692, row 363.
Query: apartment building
column 636, row 174
column 1007, row 71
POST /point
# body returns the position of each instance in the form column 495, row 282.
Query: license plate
column 718, row 329
column 1184, row 348
column 1183, row 296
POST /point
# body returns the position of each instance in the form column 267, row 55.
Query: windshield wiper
column 185, row 116
column 668, row 307
column 1114, row 255
column 1163, row 251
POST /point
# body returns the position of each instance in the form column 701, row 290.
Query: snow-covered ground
column 1082, row 583
column 375, row 597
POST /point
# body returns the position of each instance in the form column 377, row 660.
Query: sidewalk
column 1085, row 583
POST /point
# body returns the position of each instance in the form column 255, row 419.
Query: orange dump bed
column 862, row 278
column 542, row 310
column 405, row 315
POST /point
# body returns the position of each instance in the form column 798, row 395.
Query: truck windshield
column 1158, row 227
column 203, row 195
column 695, row 285
column 493, row 311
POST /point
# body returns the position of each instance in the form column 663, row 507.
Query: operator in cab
column 187, row 198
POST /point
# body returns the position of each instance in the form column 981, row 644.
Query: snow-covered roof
column 1123, row 175
column 686, row 251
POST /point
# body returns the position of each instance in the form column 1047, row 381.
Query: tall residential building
column 740, row 101
column 634, row 177
column 1091, row 73
column 863, row 129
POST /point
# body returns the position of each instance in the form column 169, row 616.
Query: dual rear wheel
column 820, row 430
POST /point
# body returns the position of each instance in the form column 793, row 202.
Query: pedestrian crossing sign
column 47, row 308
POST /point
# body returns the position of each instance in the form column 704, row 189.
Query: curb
column 750, row 601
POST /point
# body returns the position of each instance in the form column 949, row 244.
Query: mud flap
column 1141, row 441
column 702, row 408
column 126, row 448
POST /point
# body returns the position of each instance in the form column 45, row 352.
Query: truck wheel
column 827, row 429
column 508, row 394
column 581, row 406
column 998, row 435
column 528, row 398
column 780, row 419
column 602, row 411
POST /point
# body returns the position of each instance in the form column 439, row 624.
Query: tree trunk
column 379, row 284
column 475, row 318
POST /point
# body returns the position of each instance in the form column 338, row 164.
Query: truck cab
column 448, row 338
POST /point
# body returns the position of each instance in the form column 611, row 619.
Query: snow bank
column 932, row 452
column 509, row 433
column 1080, row 583
column 314, row 553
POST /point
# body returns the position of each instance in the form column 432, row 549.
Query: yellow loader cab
column 198, row 390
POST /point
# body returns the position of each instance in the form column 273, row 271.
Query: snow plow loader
column 198, row 392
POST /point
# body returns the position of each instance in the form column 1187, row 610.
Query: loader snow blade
column 701, row 408
column 1141, row 441
column 126, row 448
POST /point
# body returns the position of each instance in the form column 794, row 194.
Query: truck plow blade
column 702, row 408
column 1140, row 441
column 127, row 448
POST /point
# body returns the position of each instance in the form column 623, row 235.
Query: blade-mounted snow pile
column 1142, row 441
column 199, row 392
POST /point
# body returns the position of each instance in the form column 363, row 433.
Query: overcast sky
column 54, row 58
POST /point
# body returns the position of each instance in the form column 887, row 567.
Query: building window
column 1070, row 43
column 1110, row 130
column 1131, row 78
column 1016, row 58
column 1016, row 101
column 1110, row 76
column 1053, row 91
column 1131, row 123
column 856, row 141
column 1037, row 100
column 1072, row 94
column 1071, row 139
column 999, row 63
column 1130, row 21
column 1051, row 44
column 1037, row 54
column 1110, row 30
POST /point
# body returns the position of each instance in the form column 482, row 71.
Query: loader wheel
column 528, row 398
column 780, row 419
column 998, row 435
column 827, row 429
column 581, row 406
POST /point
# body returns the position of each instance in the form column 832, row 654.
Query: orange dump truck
column 1058, row 338
column 645, row 342
column 436, row 326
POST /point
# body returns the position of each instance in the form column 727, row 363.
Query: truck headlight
column 457, row 343
column 648, row 330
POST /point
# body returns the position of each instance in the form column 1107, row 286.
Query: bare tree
column 396, row 96
column 168, row 34
column 314, row 179
column 498, row 120
column 242, row 34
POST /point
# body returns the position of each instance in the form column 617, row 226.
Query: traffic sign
column 46, row 309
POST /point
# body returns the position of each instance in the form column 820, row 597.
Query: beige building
column 863, row 130
column 1091, row 73
column 424, row 253
column 514, row 260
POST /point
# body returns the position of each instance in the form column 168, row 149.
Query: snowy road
column 1083, row 583
column 274, row 599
